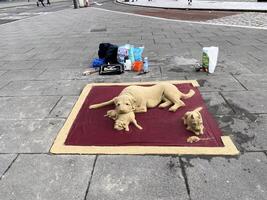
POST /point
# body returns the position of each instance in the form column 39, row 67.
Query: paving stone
column 62, row 64
column 21, row 64
column 216, row 82
column 5, row 161
column 26, row 88
column 228, row 178
column 47, row 55
column 64, row 107
column 66, row 74
column 21, row 75
column 137, row 177
column 228, row 66
column 216, row 104
column 247, row 131
column 253, row 81
column 47, row 177
column 33, row 107
column 1, row 73
column 244, row 19
column 3, row 83
column 18, row 57
column 28, row 136
column 247, row 101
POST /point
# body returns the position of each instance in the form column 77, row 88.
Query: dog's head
column 125, row 103
column 195, row 121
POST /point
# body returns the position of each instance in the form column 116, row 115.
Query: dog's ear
column 133, row 102
column 115, row 100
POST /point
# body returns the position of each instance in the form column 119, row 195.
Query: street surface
column 42, row 57
column 10, row 14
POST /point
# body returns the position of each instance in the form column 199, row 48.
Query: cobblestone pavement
column 253, row 19
column 41, row 65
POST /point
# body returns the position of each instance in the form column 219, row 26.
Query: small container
column 128, row 65
column 145, row 69
column 137, row 66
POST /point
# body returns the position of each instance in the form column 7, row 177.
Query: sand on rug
column 161, row 128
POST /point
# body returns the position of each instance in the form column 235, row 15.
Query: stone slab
column 62, row 64
column 5, row 161
column 227, row 65
column 66, row 74
column 248, row 131
column 216, row 82
column 216, row 104
column 33, row 107
column 2, row 72
column 137, row 177
column 253, row 81
column 14, row 65
column 228, row 178
column 18, row 57
column 43, row 177
column 247, row 101
column 63, row 107
column 3, row 83
column 28, row 88
column 28, row 136
column 21, row 75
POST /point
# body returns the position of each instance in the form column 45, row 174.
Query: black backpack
column 108, row 52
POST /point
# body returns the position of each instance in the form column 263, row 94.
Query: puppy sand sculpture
column 194, row 122
column 122, row 121
column 134, row 99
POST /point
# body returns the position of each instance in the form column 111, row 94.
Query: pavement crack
column 91, row 177
column 239, row 81
column 55, row 105
column 185, row 177
column 9, row 167
column 227, row 102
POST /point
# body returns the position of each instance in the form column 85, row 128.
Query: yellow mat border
column 59, row 148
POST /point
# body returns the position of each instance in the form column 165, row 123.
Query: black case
column 110, row 69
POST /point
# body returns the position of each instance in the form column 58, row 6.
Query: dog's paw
column 192, row 139
column 172, row 109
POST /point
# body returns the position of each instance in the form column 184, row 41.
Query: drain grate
column 98, row 30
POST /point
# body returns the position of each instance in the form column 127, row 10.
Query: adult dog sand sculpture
column 140, row 98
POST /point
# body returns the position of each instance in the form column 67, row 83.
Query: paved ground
column 231, row 18
column 200, row 4
column 13, row 11
column 41, row 61
column 249, row 19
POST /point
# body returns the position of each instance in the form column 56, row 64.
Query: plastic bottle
column 145, row 68
column 128, row 65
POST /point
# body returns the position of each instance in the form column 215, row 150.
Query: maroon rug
column 160, row 127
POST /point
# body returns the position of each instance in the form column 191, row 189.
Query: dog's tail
column 99, row 105
column 188, row 95
column 198, row 109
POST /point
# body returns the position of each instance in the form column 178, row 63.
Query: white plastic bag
column 209, row 58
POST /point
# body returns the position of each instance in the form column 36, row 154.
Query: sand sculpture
column 122, row 121
column 134, row 99
column 193, row 121
column 140, row 98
